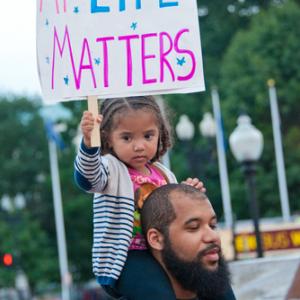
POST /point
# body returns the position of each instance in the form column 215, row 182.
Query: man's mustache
column 208, row 249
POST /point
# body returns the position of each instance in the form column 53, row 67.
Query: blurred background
column 245, row 43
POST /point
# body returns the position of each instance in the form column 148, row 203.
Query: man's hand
column 87, row 125
column 196, row 183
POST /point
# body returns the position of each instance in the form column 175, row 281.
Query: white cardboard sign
column 113, row 48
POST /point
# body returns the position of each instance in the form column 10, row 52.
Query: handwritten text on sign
column 115, row 48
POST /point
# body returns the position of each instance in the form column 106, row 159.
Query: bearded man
column 180, row 227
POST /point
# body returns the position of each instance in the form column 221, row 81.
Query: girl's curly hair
column 113, row 109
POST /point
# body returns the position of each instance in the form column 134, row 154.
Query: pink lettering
column 163, row 54
column 89, row 66
column 151, row 60
column 185, row 51
column 56, row 43
column 105, row 57
column 56, row 4
column 145, row 57
column 128, row 39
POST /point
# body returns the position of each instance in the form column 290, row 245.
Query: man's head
column 179, row 224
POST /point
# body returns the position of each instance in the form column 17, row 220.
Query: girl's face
column 135, row 139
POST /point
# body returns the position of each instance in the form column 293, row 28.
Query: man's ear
column 155, row 239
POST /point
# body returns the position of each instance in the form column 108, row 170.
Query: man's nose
column 211, row 235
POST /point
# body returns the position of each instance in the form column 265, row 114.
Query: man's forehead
column 186, row 204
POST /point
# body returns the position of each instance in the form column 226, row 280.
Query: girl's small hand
column 87, row 125
column 196, row 183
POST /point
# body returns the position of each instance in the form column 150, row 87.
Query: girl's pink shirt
column 138, row 241
column 138, row 179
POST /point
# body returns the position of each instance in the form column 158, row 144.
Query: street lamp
column 6, row 204
column 20, row 201
column 246, row 144
column 185, row 129
column 9, row 204
column 207, row 126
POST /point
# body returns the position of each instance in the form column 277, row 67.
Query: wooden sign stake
column 93, row 108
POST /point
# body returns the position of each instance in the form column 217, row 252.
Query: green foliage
column 242, row 49
column 269, row 48
column 217, row 27
column 30, row 233
column 22, row 159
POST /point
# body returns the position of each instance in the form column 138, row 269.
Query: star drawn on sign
column 76, row 9
column 97, row 61
column 66, row 80
column 181, row 61
column 133, row 25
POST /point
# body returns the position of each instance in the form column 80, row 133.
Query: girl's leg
column 144, row 279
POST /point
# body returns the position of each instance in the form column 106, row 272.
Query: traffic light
column 7, row 259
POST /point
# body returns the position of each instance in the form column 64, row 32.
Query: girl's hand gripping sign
column 113, row 48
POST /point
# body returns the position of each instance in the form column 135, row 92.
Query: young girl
column 134, row 135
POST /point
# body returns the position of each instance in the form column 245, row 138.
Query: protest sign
column 111, row 48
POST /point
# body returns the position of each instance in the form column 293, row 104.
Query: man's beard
column 194, row 276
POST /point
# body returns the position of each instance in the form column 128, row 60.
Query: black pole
column 250, row 170
column 192, row 158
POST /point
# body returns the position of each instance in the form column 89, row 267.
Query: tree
column 268, row 49
column 220, row 23
column 217, row 25
column 22, row 162
column 24, row 169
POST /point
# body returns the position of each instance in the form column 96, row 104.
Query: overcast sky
column 18, row 68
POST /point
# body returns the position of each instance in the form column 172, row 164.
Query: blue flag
column 54, row 135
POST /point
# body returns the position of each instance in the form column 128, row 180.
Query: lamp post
column 185, row 131
column 207, row 126
column 246, row 144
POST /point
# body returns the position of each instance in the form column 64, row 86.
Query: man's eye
column 193, row 228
